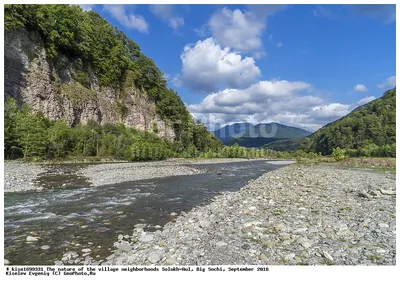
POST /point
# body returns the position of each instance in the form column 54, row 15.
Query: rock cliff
column 50, row 86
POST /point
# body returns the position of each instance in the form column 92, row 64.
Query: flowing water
column 79, row 216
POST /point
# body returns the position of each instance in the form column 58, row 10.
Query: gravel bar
column 296, row 215
column 104, row 174
column 21, row 176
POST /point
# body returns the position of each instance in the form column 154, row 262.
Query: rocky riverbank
column 21, row 176
column 103, row 174
column 297, row 215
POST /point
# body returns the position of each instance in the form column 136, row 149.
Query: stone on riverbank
column 294, row 215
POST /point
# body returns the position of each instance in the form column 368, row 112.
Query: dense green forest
column 285, row 145
column 93, row 44
column 369, row 130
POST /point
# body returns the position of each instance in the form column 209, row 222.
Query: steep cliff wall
column 51, row 87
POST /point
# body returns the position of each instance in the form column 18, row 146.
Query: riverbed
column 70, row 214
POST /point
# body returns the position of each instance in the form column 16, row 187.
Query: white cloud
column 389, row 82
column 364, row 100
column 279, row 44
column 271, row 101
column 201, row 31
column 360, row 88
column 259, row 54
column 236, row 29
column 167, row 13
column 206, row 67
column 128, row 20
column 86, row 7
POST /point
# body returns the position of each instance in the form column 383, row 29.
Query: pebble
column 32, row 239
column 221, row 244
column 146, row 237
column 388, row 192
column 327, row 255
column 154, row 257
column 170, row 261
column 245, row 247
column 45, row 247
column 124, row 247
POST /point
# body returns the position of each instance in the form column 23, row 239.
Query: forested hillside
column 88, row 69
column 369, row 130
column 264, row 133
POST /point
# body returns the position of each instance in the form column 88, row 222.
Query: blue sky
column 300, row 65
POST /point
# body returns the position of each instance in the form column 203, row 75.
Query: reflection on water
column 71, row 217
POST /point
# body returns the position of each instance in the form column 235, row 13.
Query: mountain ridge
column 250, row 135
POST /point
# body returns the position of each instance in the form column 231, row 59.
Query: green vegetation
column 92, row 45
column 286, row 145
column 30, row 135
column 339, row 154
column 369, row 131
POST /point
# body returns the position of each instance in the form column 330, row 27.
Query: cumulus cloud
column 287, row 102
column 175, row 79
column 389, row 82
column 206, row 67
column 167, row 13
column 360, row 88
column 236, row 29
column 126, row 19
column 364, row 101
column 86, row 7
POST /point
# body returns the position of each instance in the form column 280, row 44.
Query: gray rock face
column 31, row 77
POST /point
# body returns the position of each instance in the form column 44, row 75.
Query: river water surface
column 77, row 216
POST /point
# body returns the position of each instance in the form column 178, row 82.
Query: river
column 80, row 216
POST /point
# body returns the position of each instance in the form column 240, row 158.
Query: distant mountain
column 225, row 133
column 249, row 135
column 369, row 130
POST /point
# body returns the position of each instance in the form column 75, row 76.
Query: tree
column 59, row 137
column 31, row 132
